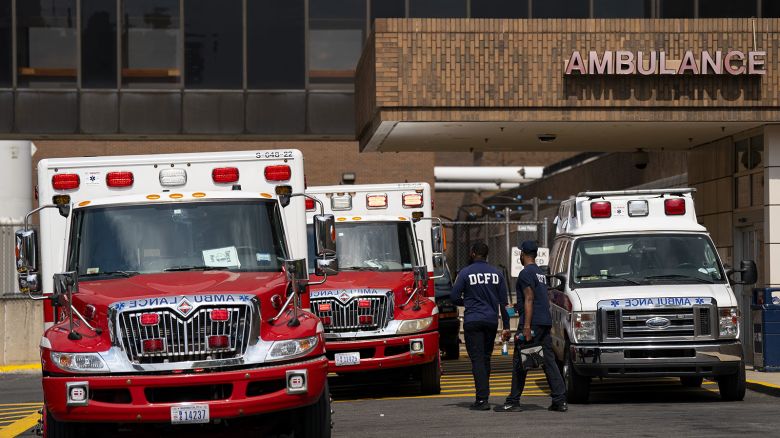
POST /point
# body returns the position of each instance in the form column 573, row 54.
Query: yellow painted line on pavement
column 22, row 404
column 22, row 367
column 20, row 426
column 758, row 382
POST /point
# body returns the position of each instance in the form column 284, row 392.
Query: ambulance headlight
column 79, row 362
column 414, row 325
column 728, row 322
column 584, row 326
column 282, row 350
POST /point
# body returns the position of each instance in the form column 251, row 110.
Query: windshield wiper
column 608, row 277
column 126, row 274
column 196, row 268
column 359, row 268
column 688, row 277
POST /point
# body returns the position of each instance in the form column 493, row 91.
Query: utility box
column 765, row 311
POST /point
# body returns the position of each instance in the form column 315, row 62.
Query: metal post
column 545, row 233
column 535, row 202
column 508, row 248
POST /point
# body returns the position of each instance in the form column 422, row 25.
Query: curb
column 764, row 388
column 22, row 368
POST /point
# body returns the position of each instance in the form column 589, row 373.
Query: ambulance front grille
column 345, row 317
column 632, row 324
column 184, row 338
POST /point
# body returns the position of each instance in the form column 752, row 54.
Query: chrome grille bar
column 631, row 323
column 345, row 317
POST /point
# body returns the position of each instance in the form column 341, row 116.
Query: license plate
column 344, row 359
column 191, row 414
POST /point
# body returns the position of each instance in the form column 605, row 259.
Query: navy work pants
column 480, row 339
column 551, row 371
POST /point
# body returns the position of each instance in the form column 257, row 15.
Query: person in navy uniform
column 482, row 290
column 535, row 324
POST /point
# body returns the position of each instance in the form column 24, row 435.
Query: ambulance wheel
column 430, row 377
column 732, row 387
column 691, row 381
column 314, row 421
column 577, row 387
column 57, row 429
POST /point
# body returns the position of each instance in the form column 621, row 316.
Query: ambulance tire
column 691, row 381
column 430, row 377
column 58, row 429
column 577, row 387
column 732, row 387
column 314, row 421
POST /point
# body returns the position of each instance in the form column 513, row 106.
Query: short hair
column 480, row 249
column 530, row 253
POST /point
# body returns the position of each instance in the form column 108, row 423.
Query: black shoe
column 509, row 407
column 480, row 405
column 559, row 407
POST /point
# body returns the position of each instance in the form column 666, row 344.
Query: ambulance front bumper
column 704, row 360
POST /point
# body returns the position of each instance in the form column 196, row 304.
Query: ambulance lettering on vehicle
column 176, row 267
column 382, row 300
column 638, row 289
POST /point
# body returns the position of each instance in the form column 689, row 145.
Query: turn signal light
column 65, row 181
column 153, row 345
column 219, row 315
column 413, row 200
column 364, row 304
column 366, row 319
column 310, row 205
column 148, row 319
column 119, row 179
column 220, row 341
column 674, row 207
column 601, row 210
column 280, row 172
column 224, row 175
column 324, row 307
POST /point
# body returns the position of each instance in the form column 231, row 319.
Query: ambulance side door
column 560, row 314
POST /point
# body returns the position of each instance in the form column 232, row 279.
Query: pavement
column 392, row 408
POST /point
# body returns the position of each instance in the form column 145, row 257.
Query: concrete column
column 15, row 179
column 771, row 161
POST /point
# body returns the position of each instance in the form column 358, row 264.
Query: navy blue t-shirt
column 481, row 288
column 533, row 277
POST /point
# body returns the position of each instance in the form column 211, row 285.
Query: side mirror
column 438, row 261
column 325, row 235
column 437, row 239
column 296, row 270
column 327, row 266
column 748, row 271
column 421, row 274
column 561, row 284
column 27, row 261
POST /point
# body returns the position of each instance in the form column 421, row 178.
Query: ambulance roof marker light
column 674, row 206
column 376, row 201
column 119, row 179
column 279, row 172
column 601, row 210
column 65, row 181
column 341, row 202
column 224, row 175
column 412, row 200
column 172, row 177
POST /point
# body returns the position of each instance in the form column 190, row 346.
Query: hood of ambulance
column 589, row 297
column 169, row 284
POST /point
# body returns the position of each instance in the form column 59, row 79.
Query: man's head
column 528, row 251
column 479, row 251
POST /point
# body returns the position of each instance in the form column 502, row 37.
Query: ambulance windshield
column 215, row 235
column 375, row 246
column 645, row 259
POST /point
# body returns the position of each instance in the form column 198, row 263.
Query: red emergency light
column 219, row 315
column 219, row 341
column 65, row 181
column 601, row 210
column 148, row 319
column 279, row 172
column 224, row 175
column 364, row 304
column 119, row 179
column 376, row 201
column 324, row 307
column 153, row 345
column 310, row 204
column 413, row 200
column 366, row 319
column 326, row 320
column 674, row 206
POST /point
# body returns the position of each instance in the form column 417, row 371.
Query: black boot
column 480, row 405
column 559, row 407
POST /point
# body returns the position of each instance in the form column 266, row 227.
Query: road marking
column 22, row 367
column 758, row 382
column 16, row 418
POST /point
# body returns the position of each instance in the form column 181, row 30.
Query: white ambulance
column 638, row 290
column 379, row 314
column 173, row 271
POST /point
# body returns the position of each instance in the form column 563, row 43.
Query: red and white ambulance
column 170, row 284
column 380, row 313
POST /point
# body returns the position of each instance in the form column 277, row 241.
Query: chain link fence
column 8, row 284
column 500, row 236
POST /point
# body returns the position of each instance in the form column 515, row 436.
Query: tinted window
column 275, row 44
column 5, row 43
column 213, row 47
column 46, row 42
column 437, row 8
column 98, row 44
column 770, row 8
column 676, row 9
column 726, row 8
column 560, row 9
column 388, row 9
column 622, row 8
column 336, row 33
column 151, row 42
column 376, row 246
column 499, row 9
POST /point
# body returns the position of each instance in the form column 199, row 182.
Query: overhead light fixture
column 348, row 178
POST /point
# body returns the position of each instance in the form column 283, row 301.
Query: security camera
column 640, row 159
column 546, row 138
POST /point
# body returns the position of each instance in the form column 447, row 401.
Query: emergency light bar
column 119, row 179
column 341, row 202
column 412, row 200
column 65, row 181
column 173, row 177
column 376, row 200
